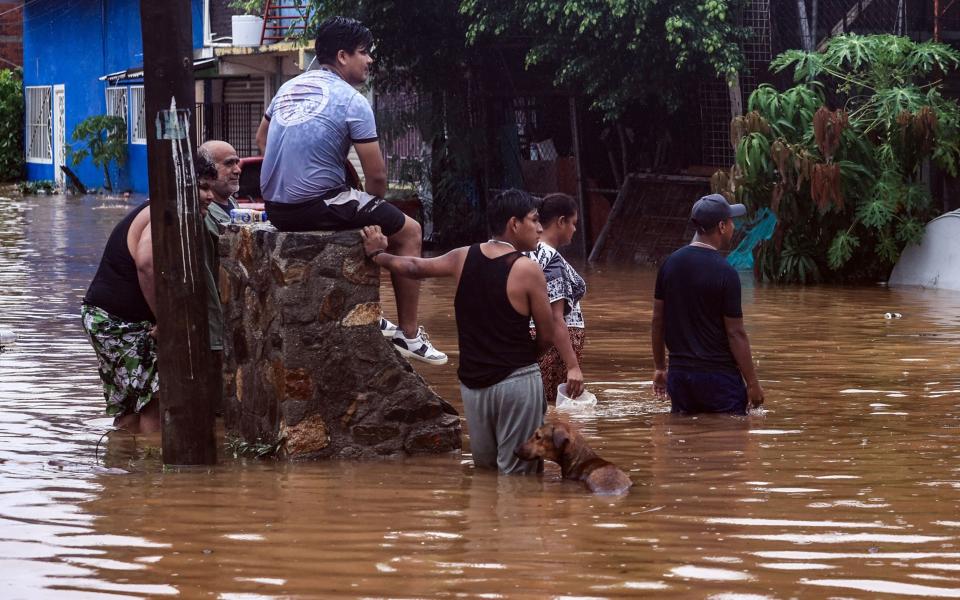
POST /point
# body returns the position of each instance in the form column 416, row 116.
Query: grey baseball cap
column 710, row 210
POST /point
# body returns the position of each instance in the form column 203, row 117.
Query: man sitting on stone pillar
column 498, row 290
column 305, row 136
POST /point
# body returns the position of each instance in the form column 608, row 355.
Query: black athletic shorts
column 318, row 215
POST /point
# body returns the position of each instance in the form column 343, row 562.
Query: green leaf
column 916, row 198
column 910, row 232
column 841, row 249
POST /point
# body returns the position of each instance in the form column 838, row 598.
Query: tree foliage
column 11, row 124
column 422, row 50
column 618, row 53
column 103, row 139
column 249, row 7
column 845, row 183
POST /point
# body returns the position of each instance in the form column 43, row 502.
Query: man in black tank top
column 118, row 315
column 498, row 290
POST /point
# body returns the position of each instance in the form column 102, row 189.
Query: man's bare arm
column 532, row 280
column 143, row 258
column 448, row 265
column 740, row 347
column 262, row 135
column 659, row 351
column 374, row 169
column 656, row 332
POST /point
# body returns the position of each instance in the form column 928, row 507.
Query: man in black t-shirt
column 697, row 315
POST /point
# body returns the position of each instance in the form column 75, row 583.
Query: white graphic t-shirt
column 314, row 118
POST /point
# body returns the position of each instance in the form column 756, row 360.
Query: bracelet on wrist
column 374, row 254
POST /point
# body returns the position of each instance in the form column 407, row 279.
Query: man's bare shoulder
column 529, row 270
column 139, row 233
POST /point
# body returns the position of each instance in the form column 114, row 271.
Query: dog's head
column 548, row 442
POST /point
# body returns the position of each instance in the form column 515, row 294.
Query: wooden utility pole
column 187, row 386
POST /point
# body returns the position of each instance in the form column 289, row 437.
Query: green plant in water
column 845, row 184
column 31, row 188
column 11, row 124
column 102, row 138
column 238, row 447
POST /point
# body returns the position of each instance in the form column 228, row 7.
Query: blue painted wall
column 75, row 42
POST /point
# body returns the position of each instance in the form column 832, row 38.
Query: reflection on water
column 848, row 486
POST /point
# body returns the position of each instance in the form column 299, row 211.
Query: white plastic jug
column 565, row 402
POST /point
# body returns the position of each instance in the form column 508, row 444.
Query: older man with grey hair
column 224, row 157
column 217, row 169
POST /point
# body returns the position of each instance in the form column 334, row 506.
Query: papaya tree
column 845, row 182
column 102, row 138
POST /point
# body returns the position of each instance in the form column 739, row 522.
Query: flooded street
column 848, row 487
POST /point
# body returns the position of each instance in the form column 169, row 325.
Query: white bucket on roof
column 247, row 30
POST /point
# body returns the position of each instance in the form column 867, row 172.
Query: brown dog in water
column 561, row 443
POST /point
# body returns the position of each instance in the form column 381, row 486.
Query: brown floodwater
column 847, row 487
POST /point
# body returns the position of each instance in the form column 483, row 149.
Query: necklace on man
column 493, row 241
column 702, row 245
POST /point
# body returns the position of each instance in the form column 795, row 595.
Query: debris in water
column 7, row 338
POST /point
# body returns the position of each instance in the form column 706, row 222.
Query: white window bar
column 39, row 131
column 117, row 106
column 138, row 129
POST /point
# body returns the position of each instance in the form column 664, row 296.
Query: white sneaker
column 387, row 328
column 418, row 347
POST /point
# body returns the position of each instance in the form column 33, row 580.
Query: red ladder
column 284, row 20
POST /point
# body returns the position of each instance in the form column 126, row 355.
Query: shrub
column 103, row 139
column 845, row 184
column 11, row 124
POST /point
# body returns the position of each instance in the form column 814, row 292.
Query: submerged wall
column 935, row 261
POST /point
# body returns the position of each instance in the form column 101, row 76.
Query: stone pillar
column 313, row 373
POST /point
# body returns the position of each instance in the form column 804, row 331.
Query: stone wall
column 301, row 313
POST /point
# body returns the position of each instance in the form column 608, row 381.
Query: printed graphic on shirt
column 302, row 102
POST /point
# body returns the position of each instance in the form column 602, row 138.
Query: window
column 117, row 105
column 38, row 125
column 138, row 130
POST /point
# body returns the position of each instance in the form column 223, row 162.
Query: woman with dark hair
column 565, row 289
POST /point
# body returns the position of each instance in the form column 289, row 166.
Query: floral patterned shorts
column 127, row 354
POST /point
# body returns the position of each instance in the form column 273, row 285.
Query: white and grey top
column 563, row 283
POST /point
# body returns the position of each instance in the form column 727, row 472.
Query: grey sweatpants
column 502, row 416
